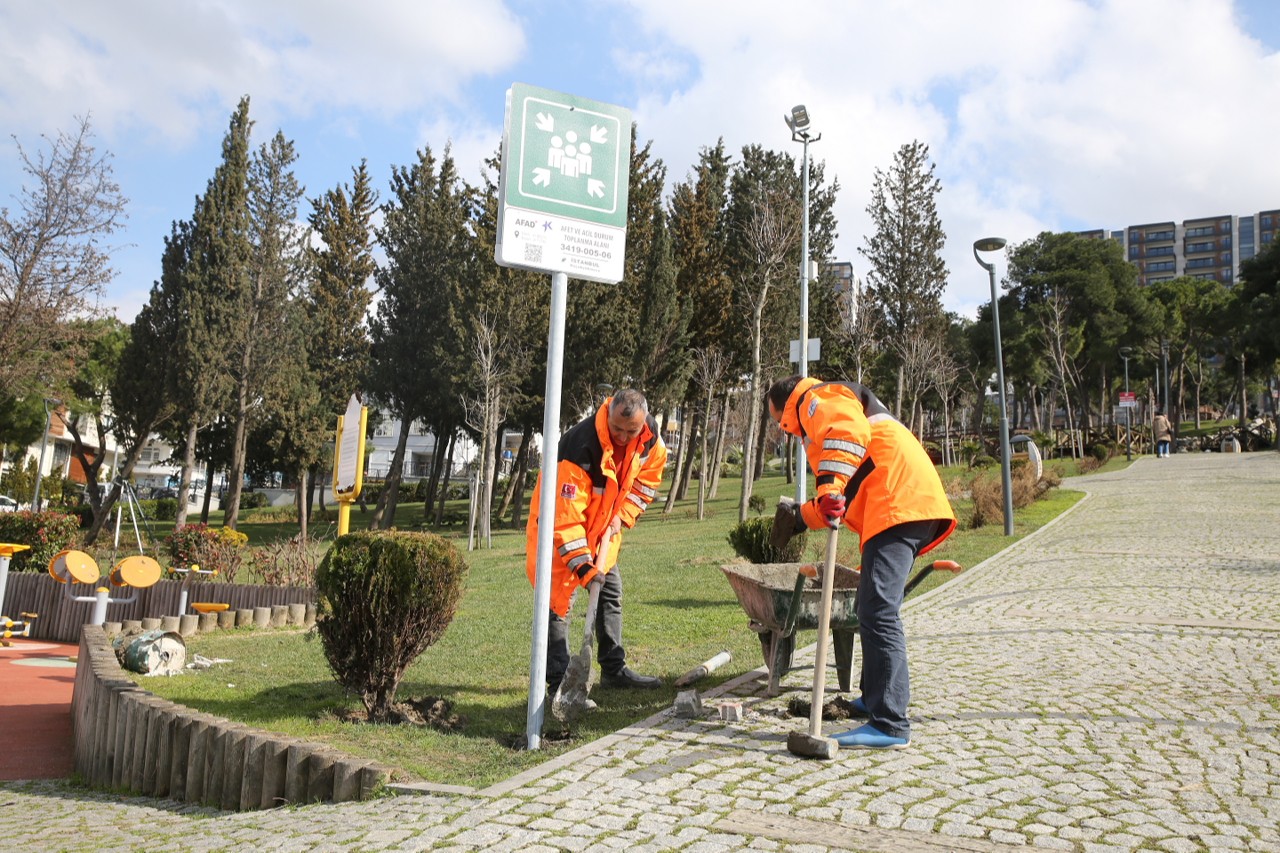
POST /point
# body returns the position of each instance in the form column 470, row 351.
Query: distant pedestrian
column 1162, row 432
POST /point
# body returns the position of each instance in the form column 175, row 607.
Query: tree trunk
column 385, row 513
column 208, row 492
column 679, row 475
column 521, row 469
column 446, row 475
column 300, row 498
column 184, row 480
column 688, row 440
column 762, row 437
column 717, row 452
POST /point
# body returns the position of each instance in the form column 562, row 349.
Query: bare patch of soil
column 431, row 711
column 838, row 708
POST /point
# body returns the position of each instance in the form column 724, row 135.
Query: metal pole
column 1005, row 472
column 802, row 465
column 1168, row 409
column 546, row 513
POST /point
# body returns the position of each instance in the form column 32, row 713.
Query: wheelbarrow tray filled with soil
column 768, row 594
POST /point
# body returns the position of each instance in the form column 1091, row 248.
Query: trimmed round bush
column 384, row 598
column 750, row 540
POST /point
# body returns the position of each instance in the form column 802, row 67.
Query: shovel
column 812, row 744
column 571, row 699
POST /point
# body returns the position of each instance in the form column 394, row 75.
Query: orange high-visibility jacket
column 856, row 448
column 593, row 487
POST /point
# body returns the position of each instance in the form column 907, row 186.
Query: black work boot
column 626, row 679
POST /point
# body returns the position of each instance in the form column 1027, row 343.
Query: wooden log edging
column 126, row 738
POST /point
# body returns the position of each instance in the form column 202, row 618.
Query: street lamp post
column 1126, row 353
column 798, row 122
column 992, row 244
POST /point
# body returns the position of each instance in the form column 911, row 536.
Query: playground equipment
column 187, row 575
column 72, row 566
column 11, row 627
column 136, row 572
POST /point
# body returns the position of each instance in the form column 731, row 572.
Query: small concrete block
column 226, row 619
column 131, row 625
column 688, row 704
column 170, row 623
column 111, row 628
column 731, row 712
column 279, row 615
column 244, row 617
column 297, row 613
column 150, row 623
column 262, row 617
column 208, row 622
column 188, row 624
column 310, row 618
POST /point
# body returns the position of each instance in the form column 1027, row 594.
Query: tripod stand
column 129, row 499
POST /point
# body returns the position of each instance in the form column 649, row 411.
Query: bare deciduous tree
column 770, row 236
column 709, row 368
column 53, row 264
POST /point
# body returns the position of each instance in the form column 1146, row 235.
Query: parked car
column 8, row 504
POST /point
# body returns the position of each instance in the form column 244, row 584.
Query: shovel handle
column 593, row 589
column 824, row 626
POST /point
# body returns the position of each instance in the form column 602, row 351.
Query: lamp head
column 1125, row 352
column 989, row 244
column 798, row 121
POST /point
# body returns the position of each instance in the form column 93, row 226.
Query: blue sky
column 1053, row 114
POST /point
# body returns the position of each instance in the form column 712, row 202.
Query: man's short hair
column 780, row 391
column 627, row 402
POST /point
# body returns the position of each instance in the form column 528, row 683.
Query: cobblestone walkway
column 1111, row 683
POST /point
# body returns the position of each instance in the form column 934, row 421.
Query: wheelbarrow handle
column 935, row 566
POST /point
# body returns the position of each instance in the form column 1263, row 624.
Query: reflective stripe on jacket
column 856, row 448
column 593, row 487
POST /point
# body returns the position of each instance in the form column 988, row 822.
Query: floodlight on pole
column 994, row 244
column 798, row 122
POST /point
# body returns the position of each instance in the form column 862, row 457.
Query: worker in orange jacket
column 873, row 475
column 610, row 466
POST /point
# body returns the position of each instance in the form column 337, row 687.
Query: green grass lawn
column 679, row 611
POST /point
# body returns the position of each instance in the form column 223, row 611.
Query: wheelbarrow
column 782, row 597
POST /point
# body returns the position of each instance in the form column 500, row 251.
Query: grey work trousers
column 886, row 562
column 611, row 655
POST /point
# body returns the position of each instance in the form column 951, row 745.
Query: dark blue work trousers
column 887, row 559
column 612, row 656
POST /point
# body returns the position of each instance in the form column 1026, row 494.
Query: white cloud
column 175, row 69
column 1053, row 115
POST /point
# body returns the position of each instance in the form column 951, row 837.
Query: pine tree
column 907, row 275
column 415, row 333
column 264, row 344
column 204, row 266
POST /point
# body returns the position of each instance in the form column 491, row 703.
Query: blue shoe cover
column 869, row 737
column 859, row 707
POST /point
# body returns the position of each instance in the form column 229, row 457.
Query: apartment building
column 1211, row 247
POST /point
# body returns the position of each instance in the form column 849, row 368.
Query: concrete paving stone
column 961, row 830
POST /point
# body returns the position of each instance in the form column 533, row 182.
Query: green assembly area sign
column 563, row 187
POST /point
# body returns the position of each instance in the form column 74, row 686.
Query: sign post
column 348, row 460
column 562, row 209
